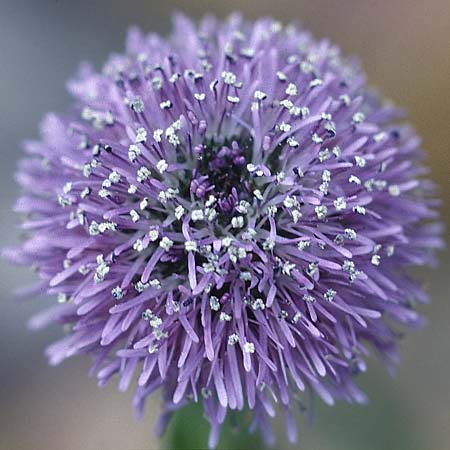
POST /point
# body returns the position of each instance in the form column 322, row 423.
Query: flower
column 229, row 213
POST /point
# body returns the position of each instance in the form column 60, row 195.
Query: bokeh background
column 404, row 46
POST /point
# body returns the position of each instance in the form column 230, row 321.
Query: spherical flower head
column 228, row 213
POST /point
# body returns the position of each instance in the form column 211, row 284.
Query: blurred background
column 404, row 46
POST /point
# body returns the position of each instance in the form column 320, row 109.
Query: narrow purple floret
column 228, row 214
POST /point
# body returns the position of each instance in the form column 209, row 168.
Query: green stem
column 189, row 429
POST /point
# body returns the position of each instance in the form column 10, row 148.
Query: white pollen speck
column 64, row 201
column 292, row 142
column 105, row 226
column 303, row 244
column 153, row 235
column 324, row 187
column 306, row 67
column 143, row 174
column 141, row 135
column 290, row 202
column 140, row 286
column 284, row 127
column 114, row 177
column 237, row 222
column 359, row 209
column 243, row 207
column 133, row 152
column 134, row 215
column 280, row 177
column 225, row 317
column 157, row 83
column 197, row 214
column 260, row 95
column 85, row 192
column 101, row 271
column 286, row 104
column 281, row 76
column 233, row 99
column 117, row 293
column 287, row 268
column 226, row 241
column 296, row 215
column 309, row 298
column 153, row 348
column 179, row 212
column 324, row 155
column 143, row 204
column 249, row 347
column 162, row 166
column 211, row 200
column 233, row 339
column 354, row 179
column 291, row 89
column 329, row 295
column 316, row 82
column 167, row 104
column 305, row 112
column 93, row 228
column 268, row 244
column 346, row 100
column 245, row 276
column 214, row 303
column 190, row 246
column 67, row 187
column 379, row 136
column 360, row 161
column 139, row 245
column 157, row 134
column 394, row 190
column 200, row 96
column 375, row 260
column 166, row 243
column 321, row 211
column 247, row 52
column 212, row 85
column 155, row 283
column 241, row 253
column 258, row 195
column 358, row 117
column 340, row 204
column 337, row 151
column 132, row 189
column 137, row 105
column 174, row 78
column 104, row 193
column 228, row 77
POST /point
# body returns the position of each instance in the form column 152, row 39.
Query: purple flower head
column 229, row 214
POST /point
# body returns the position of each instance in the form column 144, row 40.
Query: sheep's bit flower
column 228, row 213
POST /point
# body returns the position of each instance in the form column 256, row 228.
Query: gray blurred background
column 405, row 48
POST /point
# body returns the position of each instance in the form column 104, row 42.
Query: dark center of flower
column 221, row 172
